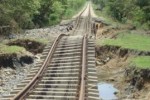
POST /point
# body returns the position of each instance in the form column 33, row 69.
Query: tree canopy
column 27, row 14
column 137, row 11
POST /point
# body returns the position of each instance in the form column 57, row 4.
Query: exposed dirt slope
column 29, row 45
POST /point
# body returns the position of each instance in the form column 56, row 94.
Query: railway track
column 66, row 72
column 83, row 23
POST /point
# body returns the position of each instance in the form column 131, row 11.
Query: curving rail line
column 83, row 74
column 82, row 23
column 40, row 73
column 67, row 70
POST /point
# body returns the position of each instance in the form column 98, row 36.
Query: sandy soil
column 112, row 65
column 113, row 72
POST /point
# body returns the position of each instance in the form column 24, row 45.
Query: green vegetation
column 135, row 12
column 6, row 49
column 10, row 49
column 43, row 41
column 142, row 62
column 104, row 16
column 28, row 14
column 132, row 12
column 73, row 7
column 130, row 40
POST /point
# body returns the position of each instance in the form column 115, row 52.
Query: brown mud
column 103, row 30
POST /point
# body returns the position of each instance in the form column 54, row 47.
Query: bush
column 136, row 11
column 54, row 19
column 27, row 14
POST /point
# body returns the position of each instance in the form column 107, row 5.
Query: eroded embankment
column 15, row 66
column 114, row 66
column 137, row 77
column 106, row 49
column 30, row 45
column 21, row 57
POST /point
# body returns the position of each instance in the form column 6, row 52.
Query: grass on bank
column 43, row 41
column 142, row 62
column 130, row 41
column 4, row 49
column 127, row 40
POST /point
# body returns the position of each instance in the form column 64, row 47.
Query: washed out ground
column 24, row 50
column 123, row 58
column 20, row 52
column 113, row 61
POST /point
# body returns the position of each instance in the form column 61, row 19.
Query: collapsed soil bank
column 113, row 66
column 101, row 50
column 30, row 45
column 137, row 77
column 9, row 60
column 14, row 67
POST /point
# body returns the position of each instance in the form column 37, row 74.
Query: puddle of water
column 106, row 91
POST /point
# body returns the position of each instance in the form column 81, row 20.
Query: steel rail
column 83, row 72
column 89, row 20
column 22, row 94
column 78, row 20
column 82, row 94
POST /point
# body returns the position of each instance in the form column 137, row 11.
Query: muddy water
column 106, row 91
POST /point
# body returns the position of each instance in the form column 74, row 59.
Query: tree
column 26, row 14
column 137, row 11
